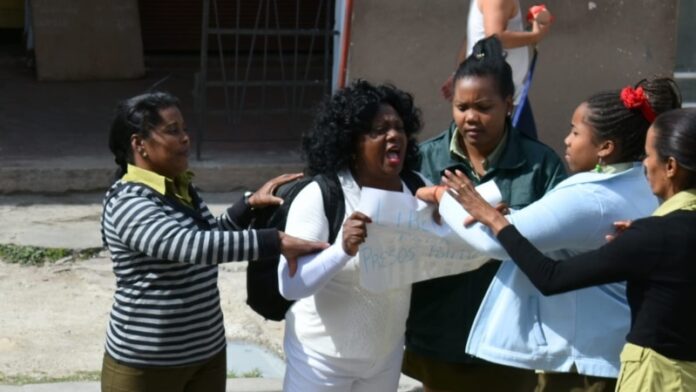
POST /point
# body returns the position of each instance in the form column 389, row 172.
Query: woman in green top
column 481, row 143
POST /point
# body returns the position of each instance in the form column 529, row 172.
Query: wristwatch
column 247, row 195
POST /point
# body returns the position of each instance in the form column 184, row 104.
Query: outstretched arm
column 631, row 256
column 141, row 224
column 551, row 223
column 241, row 213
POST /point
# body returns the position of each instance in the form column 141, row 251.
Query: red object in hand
column 535, row 10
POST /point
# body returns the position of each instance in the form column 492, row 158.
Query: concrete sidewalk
column 72, row 221
column 234, row 172
column 406, row 384
column 233, row 385
column 67, row 220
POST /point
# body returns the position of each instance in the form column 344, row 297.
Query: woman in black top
column 654, row 255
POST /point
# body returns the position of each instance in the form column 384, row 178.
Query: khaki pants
column 644, row 370
column 208, row 376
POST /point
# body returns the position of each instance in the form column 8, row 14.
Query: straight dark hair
column 675, row 136
column 136, row 115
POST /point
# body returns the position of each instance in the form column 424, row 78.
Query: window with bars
column 685, row 66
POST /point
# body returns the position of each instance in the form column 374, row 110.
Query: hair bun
column 488, row 59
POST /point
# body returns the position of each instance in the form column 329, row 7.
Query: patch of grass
column 30, row 379
column 254, row 373
column 36, row 255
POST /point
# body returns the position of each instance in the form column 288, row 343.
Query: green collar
column 177, row 187
column 684, row 200
column 490, row 160
column 511, row 153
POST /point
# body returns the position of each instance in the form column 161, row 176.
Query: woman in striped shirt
column 166, row 327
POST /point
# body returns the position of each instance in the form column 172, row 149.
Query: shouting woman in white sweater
column 339, row 336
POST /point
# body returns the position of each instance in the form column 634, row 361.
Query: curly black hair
column 332, row 140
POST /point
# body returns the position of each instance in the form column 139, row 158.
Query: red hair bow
column 636, row 99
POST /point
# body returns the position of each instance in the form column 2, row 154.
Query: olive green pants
column 573, row 382
column 467, row 377
column 207, row 376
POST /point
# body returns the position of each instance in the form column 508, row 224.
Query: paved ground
column 54, row 167
column 53, row 317
column 233, row 385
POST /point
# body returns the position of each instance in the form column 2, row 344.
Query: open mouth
column 393, row 155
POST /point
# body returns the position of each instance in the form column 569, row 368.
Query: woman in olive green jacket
column 481, row 143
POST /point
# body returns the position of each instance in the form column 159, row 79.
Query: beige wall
column 594, row 45
column 87, row 39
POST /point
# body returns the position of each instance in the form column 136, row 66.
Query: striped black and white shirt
column 166, row 309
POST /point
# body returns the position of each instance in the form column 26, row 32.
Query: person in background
column 653, row 255
column 166, row 330
column 503, row 18
column 481, row 143
column 574, row 339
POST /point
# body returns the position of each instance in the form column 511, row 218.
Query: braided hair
column 612, row 120
column 136, row 115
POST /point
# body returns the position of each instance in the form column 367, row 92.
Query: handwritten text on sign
column 404, row 245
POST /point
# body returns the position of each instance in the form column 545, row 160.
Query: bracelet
column 247, row 195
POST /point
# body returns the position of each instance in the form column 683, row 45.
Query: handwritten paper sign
column 404, row 245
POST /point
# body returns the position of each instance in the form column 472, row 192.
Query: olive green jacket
column 443, row 309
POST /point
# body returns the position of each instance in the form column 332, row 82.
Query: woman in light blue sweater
column 575, row 338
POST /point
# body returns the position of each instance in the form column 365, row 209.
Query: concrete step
column 240, row 171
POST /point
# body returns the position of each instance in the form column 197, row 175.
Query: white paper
column 404, row 244
column 454, row 214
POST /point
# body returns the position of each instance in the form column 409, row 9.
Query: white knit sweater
column 334, row 315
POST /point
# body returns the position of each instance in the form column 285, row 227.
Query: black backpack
column 263, row 294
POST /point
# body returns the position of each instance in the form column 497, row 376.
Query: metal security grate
column 685, row 67
column 260, row 76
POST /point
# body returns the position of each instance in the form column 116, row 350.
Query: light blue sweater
column 516, row 325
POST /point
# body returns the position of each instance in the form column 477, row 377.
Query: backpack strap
column 413, row 180
column 334, row 204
